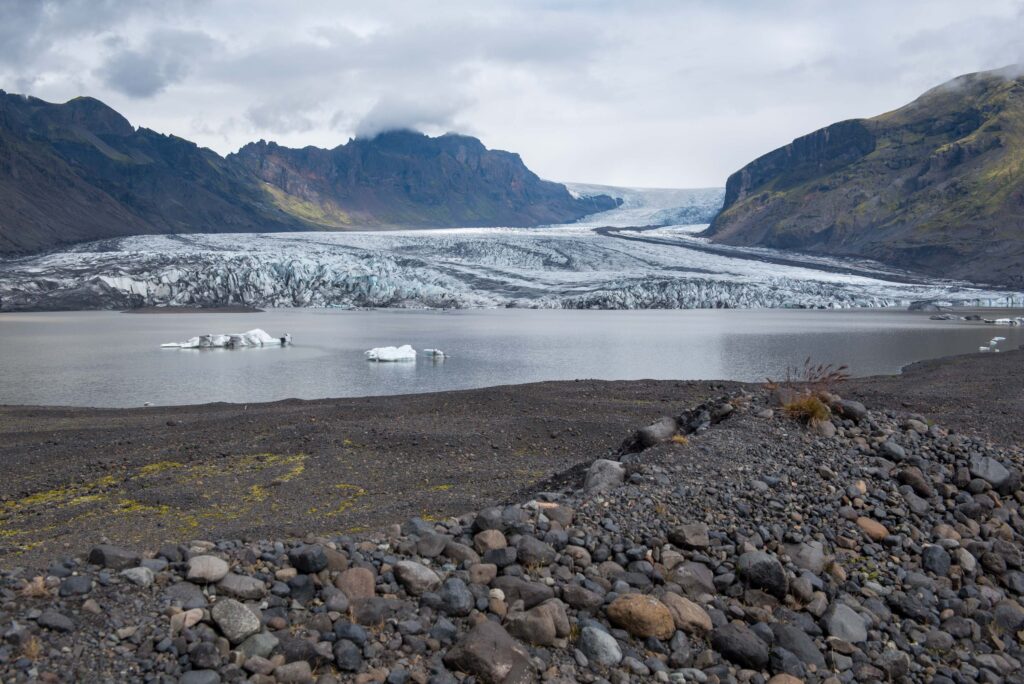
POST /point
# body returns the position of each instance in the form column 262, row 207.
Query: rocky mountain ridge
column 80, row 171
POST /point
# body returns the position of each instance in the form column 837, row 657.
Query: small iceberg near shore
column 253, row 338
column 389, row 354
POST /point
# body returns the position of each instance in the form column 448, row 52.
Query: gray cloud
column 164, row 58
column 652, row 92
column 279, row 117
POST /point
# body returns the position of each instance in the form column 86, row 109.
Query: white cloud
column 653, row 92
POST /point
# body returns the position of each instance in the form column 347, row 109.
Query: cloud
column 652, row 92
column 165, row 58
column 396, row 113
column 279, row 117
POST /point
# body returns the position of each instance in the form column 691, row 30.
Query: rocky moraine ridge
column 729, row 544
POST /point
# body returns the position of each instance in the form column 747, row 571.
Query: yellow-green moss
column 157, row 468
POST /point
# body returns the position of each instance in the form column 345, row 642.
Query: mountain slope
column 79, row 171
column 403, row 178
column 936, row 186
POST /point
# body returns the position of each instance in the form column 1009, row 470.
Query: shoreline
column 144, row 475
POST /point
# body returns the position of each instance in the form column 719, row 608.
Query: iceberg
column 382, row 354
column 253, row 338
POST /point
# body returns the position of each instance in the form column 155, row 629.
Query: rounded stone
column 642, row 616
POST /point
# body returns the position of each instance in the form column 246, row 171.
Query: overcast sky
column 669, row 93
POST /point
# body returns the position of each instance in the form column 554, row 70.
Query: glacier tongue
column 596, row 263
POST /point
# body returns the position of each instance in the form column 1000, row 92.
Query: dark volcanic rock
column 740, row 645
column 488, row 652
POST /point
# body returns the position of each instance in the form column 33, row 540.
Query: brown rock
column 482, row 573
column 785, row 679
column 691, row 536
column 541, row 625
column 875, row 530
column 357, row 583
column 687, row 615
column 489, row 539
column 642, row 616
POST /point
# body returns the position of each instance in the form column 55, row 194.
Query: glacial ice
column 387, row 354
column 253, row 338
column 641, row 255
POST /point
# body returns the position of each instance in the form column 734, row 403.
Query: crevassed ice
column 595, row 263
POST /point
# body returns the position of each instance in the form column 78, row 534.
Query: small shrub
column 808, row 409
column 681, row 440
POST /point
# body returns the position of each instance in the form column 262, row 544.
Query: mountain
column 404, row 178
column 80, row 171
column 936, row 186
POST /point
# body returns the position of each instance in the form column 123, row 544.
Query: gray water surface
column 110, row 359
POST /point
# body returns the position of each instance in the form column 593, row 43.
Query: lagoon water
column 109, row 359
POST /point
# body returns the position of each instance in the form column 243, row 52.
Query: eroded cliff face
column 80, row 171
column 936, row 186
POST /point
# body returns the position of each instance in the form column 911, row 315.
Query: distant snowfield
column 640, row 255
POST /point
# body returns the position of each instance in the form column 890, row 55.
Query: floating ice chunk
column 996, row 340
column 253, row 338
column 984, row 349
column 434, row 353
column 403, row 353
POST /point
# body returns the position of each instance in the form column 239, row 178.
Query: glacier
column 643, row 254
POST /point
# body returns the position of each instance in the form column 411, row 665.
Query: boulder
column 242, row 587
column 533, row 552
column 691, row 536
column 357, row 583
column 599, row 646
column 657, row 433
column 642, row 616
column 991, row 471
column 113, row 557
column 308, row 559
column 874, row 530
column 491, row 655
column 488, row 540
column 207, row 569
column 738, row 644
column 542, row 625
column 844, row 623
column 604, row 475
column 761, row 570
column 416, row 578
column 687, row 615
column 235, row 620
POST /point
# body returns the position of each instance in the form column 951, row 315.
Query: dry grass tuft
column 32, row 648
column 808, row 409
column 816, row 378
column 35, row 588
column 681, row 440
